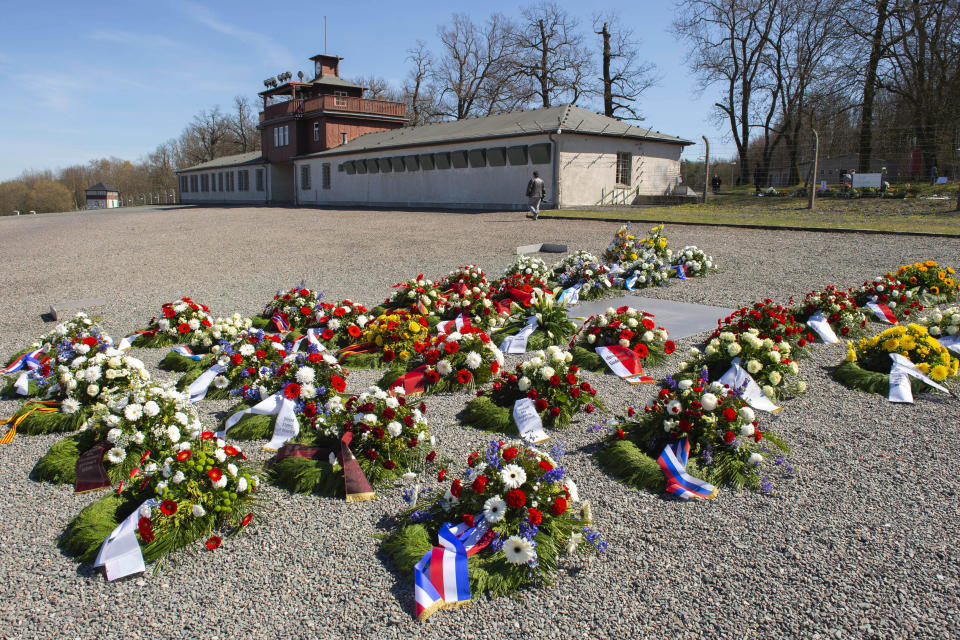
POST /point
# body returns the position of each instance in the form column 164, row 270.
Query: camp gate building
column 328, row 146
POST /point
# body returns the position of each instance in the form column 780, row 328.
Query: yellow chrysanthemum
column 939, row 372
column 924, row 367
column 931, row 263
column 908, row 343
column 404, row 355
column 891, row 345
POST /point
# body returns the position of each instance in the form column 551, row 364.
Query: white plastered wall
column 588, row 167
column 251, row 196
column 487, row 187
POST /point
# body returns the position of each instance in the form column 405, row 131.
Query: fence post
column 706, row 168
column 813, row 178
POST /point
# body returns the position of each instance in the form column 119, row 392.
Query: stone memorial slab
column 546, row 247
column 681, row 319
column 58, row 308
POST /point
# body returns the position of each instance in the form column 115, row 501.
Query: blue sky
column 87, row 80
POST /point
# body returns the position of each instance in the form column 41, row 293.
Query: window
column 259, row 179
column 204, row 182
column 316, row 132
column 230, row 180
column 458, row 159
column 220, row 181
column 442, row 160
column 397, row 164
column 517, row 155
column 540, row 153
column 281, row 136
column 304, row 177
column 426, row 161
column 243, row 180
column 276, row 136
column 193, row 183
column 326, row 175
column 412, row 163
column 343, row 138
column 184, row 184
column 372, row 165
column 624, row 160
column 478, row 158
column 340, row 98
column 385, row 165
column 497, row 157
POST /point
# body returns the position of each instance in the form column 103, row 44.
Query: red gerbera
column 558, row 507
column 546, row 466
column 292, row 391
column 648, row 323
column 215, row 474
column 516, row 498
column 540, row 404
column 183, row 328
column 669, row 347
column 231, row 450
column 340, row 312
column 354, row 331
column 464, row 376
column 338, row 383
column 184, row 455
column 451, row 347
column 168, row 507
column 206, row 435
column 432, row 376
column 213, row 542
column 641, row 350
column 555, row 380
column 327, row 334
column 168, row 312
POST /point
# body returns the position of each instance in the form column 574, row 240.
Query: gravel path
column 857, row 545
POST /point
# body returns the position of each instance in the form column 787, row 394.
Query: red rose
column 516, row 498
column 559, row 507
column 184, row 455
column 555, row 380
column 213, row 542
column 310, row 409
column 236, row 359
column 468, row 519
column 90, row 341
column 494, row 367
column 292, row 391
column 456, row 488
column 479, row 484
column 412, row 443
column 371, row 454
column 574, row 369
column 215, row 474
column 389, row 464
column 534, row 517
column 183, row 328
column 145, row 527
column 554, row 411
column 729, row 414
column 575, row 392
column 540, row 404
column 440, row 475
column 571, row 378
column 260, row 353
column 589, row 408
column 728, row 437
column 246, row 520
column 620, row 434
column 532, row 394
column 509, row 453
column 168, row 507
column 844, row 330
column 304, row 292
column 669, row 347
column 464, row 376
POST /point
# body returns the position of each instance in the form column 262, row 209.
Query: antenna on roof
column 604, row 128
column 578, row 125
column 324, row 35
column 519, row 125
column 300, row 75
column 538, row 126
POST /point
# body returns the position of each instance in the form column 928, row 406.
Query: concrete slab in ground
column 681, row 319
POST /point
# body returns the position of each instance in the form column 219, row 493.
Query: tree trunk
column 607, row 84
column 870, row 89
column 544, row 66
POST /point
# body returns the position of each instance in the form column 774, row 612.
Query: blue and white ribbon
column 570, row 295
column 28, row 360
column 673, row 461
column 631, row 282
column 681, row 271
column 187, row 352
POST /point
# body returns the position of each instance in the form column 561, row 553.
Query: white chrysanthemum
column 221, row 483
column 473, row 360
column 708, row 401
column 113, row 436
column 774, row 356
column 133, row 412
column 747, row 430
column 198, row 511
column 333, row 324
column 151, row 408
column 494, row 509
column 305, row 375
column 747, row 414
column 116, row 455
column 220, row 455
column 513, row 476
column 181, row 417
column 753, row 366
column 178, row 477
column 92, row 374
column 69, row 406
column 518, row 550
column 246, row 350
column 137, row 437
column 308, row 391
column 444, row 367
column 232, row 469
column 93, row 390
column 775, row 378
column 173, row 433
column 394, row 429
column 572, row 490
column 756, row 458
column 241, row 485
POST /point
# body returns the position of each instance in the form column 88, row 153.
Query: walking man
column 536, row 192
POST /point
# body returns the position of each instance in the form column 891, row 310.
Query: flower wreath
column 289, row 310
column 180, row 322
column 625, row 326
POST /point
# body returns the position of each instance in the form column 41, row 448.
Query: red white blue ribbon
column 187, row 352
column 457, row 324
column 441, row 579
column 673, row 461
column 681, row 271
column 882, row 312
column 280, row 322
column 28, row 360
column 624, row 362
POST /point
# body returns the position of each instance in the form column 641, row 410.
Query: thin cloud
column 272, row 51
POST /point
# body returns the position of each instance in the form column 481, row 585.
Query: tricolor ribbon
column 681, row 271
column 187, row 352
column 624, row 362
column 356, row 486
column 456, row 324
column 280, row 322
column 28, row 360
column 127, row 342
column 441, row 579
column 313, row 337
column 673, row 461
column 882, row 312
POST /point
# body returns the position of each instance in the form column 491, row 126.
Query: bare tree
column 728, row 41
column 417, row 91
column 473, row 60
column 624, row 77
column 206, row 137
column 550, row 52
column 378, row 88
column 243, row 126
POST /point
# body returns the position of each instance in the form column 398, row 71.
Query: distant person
column 757, row 177
column 536, row 192
column 934, row 174
column 715, row 183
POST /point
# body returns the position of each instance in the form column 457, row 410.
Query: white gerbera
column 113, row 436
column 246, row 350
column 518, row 550
column 513, row 476
column 116, row 455
column 473, row 360
column 69, row 406
column 494, row 509
column 133, row 412
column 444, row 367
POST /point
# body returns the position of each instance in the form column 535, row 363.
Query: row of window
column 221, row 181
column 281, row 136
column 306, row 182
column 493, row 157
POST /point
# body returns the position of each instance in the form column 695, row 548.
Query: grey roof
column 101, row 187
column 569, row 118
column 335, row 81
column 251, row 157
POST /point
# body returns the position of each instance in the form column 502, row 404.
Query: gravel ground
column 856, row 545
